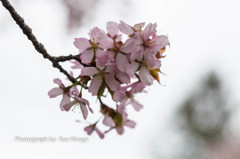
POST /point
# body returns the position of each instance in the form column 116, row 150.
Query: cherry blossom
column 111, row 67
column 89, row 129
column 116, row 119
column 84, row 105
column 61, row 90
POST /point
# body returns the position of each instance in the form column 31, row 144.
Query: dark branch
column 70, row 57
column 39, row 46
column 66, row 58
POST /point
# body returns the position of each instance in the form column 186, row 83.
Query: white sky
column 204, row 36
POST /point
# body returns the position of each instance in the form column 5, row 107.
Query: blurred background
column 194, row 114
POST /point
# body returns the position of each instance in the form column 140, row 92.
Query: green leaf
column 101, row 90
column 118, row 119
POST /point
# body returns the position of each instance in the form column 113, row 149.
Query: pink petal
column 122, row 62
column 55, row 92
column 88, row 71
column 119, row 95
column 100, row 134
column 138, row 26
column 122, row 106
column 145, row 76
column 74, row 91
column 81, row 100
column 101, row 58
column 153, row 62
column 153, row 30
column 112, row 28
column 132, row 68
column 149, row 30
column 161, row 42
column 87, row 56
column 130, row 124
column 68, row 106
column 118, row 38
column 120, row 130
column 123, row 77
column 137, row 106
column 108, row 121
column 65, row 100
column 84, row 102
column 136, row 56
column 112, row 83
column 110, row 57
column 138, row 39
column 58, row 81
column 138, row 87
column 111, row 68
column 89, row 129
column 125, row 28
column 82, row 44
column 95, row 84
column 149, row 53
column 84, row 110
column 129, row 46
column 124, row 113
column 94, row 33
column 105, row 41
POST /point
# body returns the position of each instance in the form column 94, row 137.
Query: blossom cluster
column 112, row 66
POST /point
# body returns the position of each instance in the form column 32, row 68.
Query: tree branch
column 66, row 58
column 39, row 46
column 70, row 57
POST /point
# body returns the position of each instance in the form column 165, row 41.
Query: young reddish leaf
column 154, row 74
column 158, row 55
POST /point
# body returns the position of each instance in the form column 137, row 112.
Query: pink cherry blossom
column 112, row 29
column 122, row 62
column 150, row 30
column 84, row 105
column 158, row 42
column 148, row 62
column 88, row 48
column 125, row 121
column 82, row 44
column 132, row 45
column 117, row 119
column 108, row 121
column 61, row 90
column 89, row 129
column 138, row 27
column 100, row 76
column 120, row 76
column 113, row 67
column 125, row 28
column 126, row 97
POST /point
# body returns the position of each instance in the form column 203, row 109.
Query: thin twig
column 66, row 58
column 70, row 57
